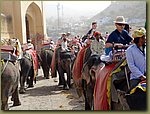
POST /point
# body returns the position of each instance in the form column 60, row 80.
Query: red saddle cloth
column 34, row 57
column 101, row 101
column 78, row 65
column 53, row 64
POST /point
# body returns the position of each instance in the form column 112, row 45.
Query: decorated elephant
column 112, row 89
column 128, row 99
column 27, row 72
column 29, row 67
column 45, row 59
column 89, row 79
column 65, row 62
column 10, row 76
column 84, row 75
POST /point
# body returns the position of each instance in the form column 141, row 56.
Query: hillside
column 133, row 11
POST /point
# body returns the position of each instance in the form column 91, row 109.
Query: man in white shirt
column 136, row 57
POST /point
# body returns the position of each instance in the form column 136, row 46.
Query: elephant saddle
column 8, row 56
column 141, row 85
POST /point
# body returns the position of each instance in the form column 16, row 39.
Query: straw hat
column 120, row 19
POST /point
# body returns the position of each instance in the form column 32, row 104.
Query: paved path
column 46, row 95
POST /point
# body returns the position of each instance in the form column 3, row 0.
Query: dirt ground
column 46, row 95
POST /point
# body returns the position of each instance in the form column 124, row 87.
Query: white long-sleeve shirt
column 64, row 45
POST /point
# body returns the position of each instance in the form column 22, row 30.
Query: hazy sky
column 75, row 8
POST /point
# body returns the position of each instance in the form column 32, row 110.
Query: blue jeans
column 107, row 50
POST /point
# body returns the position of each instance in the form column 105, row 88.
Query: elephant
column 45, row 59
column 135, row 101
column 27, row 72
column 65, row 62
column 112, row 89
column 89, row 79
column 120, row 86
column 10, row 76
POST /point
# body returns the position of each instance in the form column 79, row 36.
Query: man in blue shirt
column 136, row 57
column 118, row 36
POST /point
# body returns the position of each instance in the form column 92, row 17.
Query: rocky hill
column 133, row 11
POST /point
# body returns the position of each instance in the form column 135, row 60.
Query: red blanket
column 78, row 65
column 100, row 90
column 35, row 60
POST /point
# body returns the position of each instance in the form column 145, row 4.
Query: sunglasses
column 120, row 24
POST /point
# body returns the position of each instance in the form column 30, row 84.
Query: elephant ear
column 122, row 99
column 85, row 73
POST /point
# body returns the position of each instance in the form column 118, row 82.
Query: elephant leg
column 31, row 77
column 4, row 97
column 89, row 94
column 28, row 80
column 31, row 81
column 22, row 84
column 45, row 71
column 60, row 81
column 62, row 77
column 69, row 77
column 4, row 105
column 84, row 86
column 5, row 88
column 15, row 97
column 48, row 69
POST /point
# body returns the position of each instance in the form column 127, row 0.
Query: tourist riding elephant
column 45, row 59
column 65, row 62
column 10, row 76
column 112, row 89
column 27, row 72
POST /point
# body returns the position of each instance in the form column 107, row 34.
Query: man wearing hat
column 136, row 57
column 119, row 36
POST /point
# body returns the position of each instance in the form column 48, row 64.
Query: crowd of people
column 100, row 45
column 103, row 45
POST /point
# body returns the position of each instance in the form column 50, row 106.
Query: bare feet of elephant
column 17, row 103
column 66, row 87
column 22, row 91
column 30, row 86
column 47, row 77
